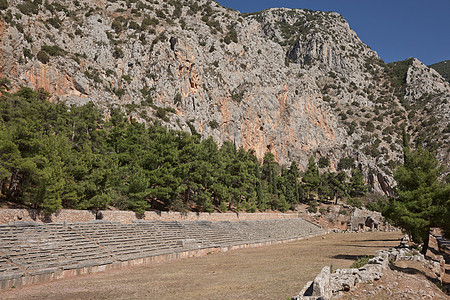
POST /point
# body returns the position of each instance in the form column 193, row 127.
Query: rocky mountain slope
column 442, row 68
column 293, row 82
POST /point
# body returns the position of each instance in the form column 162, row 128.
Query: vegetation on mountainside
column 3, row 4
column 53, row 157
column 442, row 68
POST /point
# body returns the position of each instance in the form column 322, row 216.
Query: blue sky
column 396, row 29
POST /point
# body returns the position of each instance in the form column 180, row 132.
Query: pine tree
column 293, row 183
column 357, row 188
column 270, row 172
column 422, row 197
column 311, row 178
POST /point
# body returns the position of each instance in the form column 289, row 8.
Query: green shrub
column 162, row 114
column 355, row 202
column 323, row 162
column 94, row 75
column 345, row 163
column 135, row 26
column 193, row 8
column 361, row 261
column 387, row 138
column 127, row 78
column 3, row 4
column 53, row 50
column 237, row 96
column 119, row 92
column 312, row 208
column 177, row 99
column 213, row 124
column 4, row 83
column 27, row 53
column 343, row 116
column 55, row 22
column 43, row 57
column 369, row 126
column 147, row 21
column 118, row 24
column 160, row 14
column 231, row 36
column 28, row 8
column 131, row 107
column 8, row 17
column 117, row 53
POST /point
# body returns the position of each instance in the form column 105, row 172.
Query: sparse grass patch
column 361, row 261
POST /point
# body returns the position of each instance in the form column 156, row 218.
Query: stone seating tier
column 28, row 248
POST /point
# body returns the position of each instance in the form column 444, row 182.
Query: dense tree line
column 53, row 156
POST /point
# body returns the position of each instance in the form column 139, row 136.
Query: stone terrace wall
column 215, row 217
column 127, row 217
column 26, row 215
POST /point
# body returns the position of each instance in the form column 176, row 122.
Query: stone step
column 4, row 269
column 88, row 257
column 121, row 252
column 41, row 248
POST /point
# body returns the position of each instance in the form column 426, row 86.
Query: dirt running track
column 273, row 272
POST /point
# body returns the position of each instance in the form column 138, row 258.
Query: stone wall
column 329, row 285
column 127, row 217
column 360, row 217
column 26, row 215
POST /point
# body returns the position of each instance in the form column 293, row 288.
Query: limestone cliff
column 293, row 82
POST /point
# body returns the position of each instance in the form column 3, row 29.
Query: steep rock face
column 428, row 95
column 293, row 82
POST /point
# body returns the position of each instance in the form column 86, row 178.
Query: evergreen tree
column 311, row 178
column 262, row 202
column 422, row 197
column 357, row 188
column 269, row 172
column 293, row 185
column 53, row 157
column 338, row 186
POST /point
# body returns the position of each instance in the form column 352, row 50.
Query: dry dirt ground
column 272, row 272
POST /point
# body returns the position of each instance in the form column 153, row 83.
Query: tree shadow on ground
column 413, row 271
column 363, row 246
column 348, row 256
column 385, row 240
column 434, row 251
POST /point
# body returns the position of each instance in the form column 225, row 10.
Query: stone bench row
column 213, row 237
column 61, row 246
